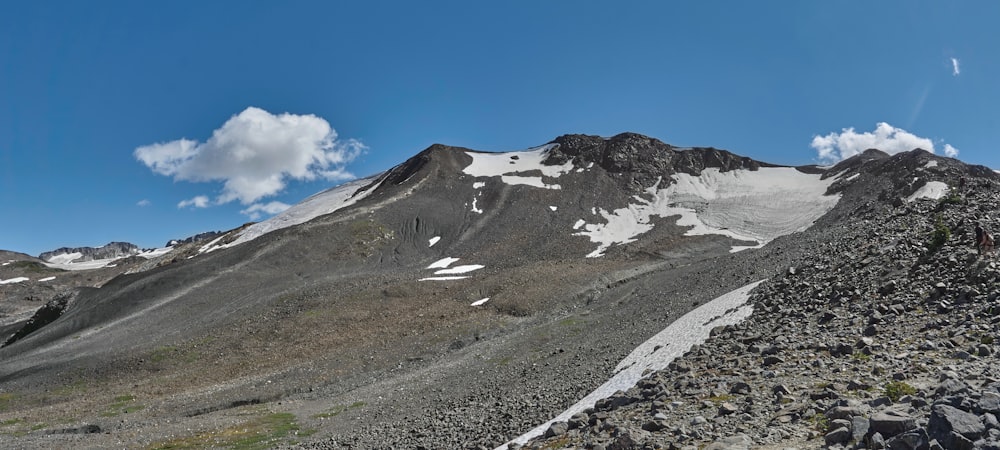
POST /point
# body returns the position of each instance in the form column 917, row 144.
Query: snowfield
column 933, row 190
column 325, row 202
column 509, row 165
column 745, row 205
column 658, row 351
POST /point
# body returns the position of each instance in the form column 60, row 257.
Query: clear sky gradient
column 145, row 121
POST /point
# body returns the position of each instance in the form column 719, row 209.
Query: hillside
column 458, row 300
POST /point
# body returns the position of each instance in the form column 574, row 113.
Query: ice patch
column 433, row 240
column 325, row 202
column 47, row 279
column 14, row 280
column 442, row 263
column 480, row 302
column 692, row 328
column 933, row 190
column 742, row 204
column 459, row 269
column 442, row 278
column 150, row 254
column 509, row 165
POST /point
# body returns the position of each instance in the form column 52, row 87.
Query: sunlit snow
column 14, row 280
column 745, row 205
column 510, row 165
column 478, row 185
column 459, row 269
column 932, row 189
column 579, row 223
column 47, row 279
column 480, row 302
column 67, row 261
column 554, row 208
column 150, row 254
column 442, row 278
column 442, row 263
column 930, row 164
column 317, row 205
column 433, row 240
column 657, row 352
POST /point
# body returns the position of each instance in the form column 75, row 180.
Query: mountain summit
column 459, row 299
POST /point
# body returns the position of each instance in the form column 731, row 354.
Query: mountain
column 463, row 298
column 111, row 250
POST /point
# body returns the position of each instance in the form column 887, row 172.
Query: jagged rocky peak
column 644, row 158
column 108, row 251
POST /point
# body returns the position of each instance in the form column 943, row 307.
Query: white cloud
column 254, row 154
column 269, row 208
column 200, row 201
column 838, row 146
column 143, row 202
column 955, row 69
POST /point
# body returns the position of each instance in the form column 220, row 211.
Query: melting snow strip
column 442, row 263
column 47, row 279
column 14, row 280
column 433, row 240
column 479, row 302
column 442, row 278
column 692, row 328
column 459, row 269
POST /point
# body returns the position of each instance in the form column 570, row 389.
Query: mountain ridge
column 364, row 302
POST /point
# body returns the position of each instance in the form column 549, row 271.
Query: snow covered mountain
column 458, row 300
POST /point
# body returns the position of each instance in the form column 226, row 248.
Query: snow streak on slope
column 657, row 352
column 933, row 190
column 317, row 205
column 509, row 165
column 745, row 205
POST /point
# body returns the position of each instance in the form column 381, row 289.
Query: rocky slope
column 110, row 250
column 882, row 334
column 348, row 329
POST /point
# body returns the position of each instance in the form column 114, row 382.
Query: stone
column 989, row 402
column 947, row 419
column 556, row 429
column 838, row 436
column 890, row 423
column 737, row 442
column 911, row 440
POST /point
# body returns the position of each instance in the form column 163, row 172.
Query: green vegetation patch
column 897, row 389
column 6, row 399
column 263, row 432
column 34, row 267
column 336, row 410
column 123, row 404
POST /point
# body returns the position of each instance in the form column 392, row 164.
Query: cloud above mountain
column 838, row 146
column 254, row 154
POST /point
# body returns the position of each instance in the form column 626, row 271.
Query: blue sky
column 108, row 109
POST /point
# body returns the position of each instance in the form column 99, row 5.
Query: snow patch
column 442, row 263
column 480, row 302
column 14, row 280
column 433, row 240
column 930, row 164
column 692, row 328
column 579, row 223
column 474, row 208
column 478, row 185
column 67, row 261
column 459, row 269
column 554, row 208
column 853, row 177
column 509, row 165
column 744, row 205
column 47, row 279
column 933, row 190
column 325, row 202
column 442, row 278
column 153, row 253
